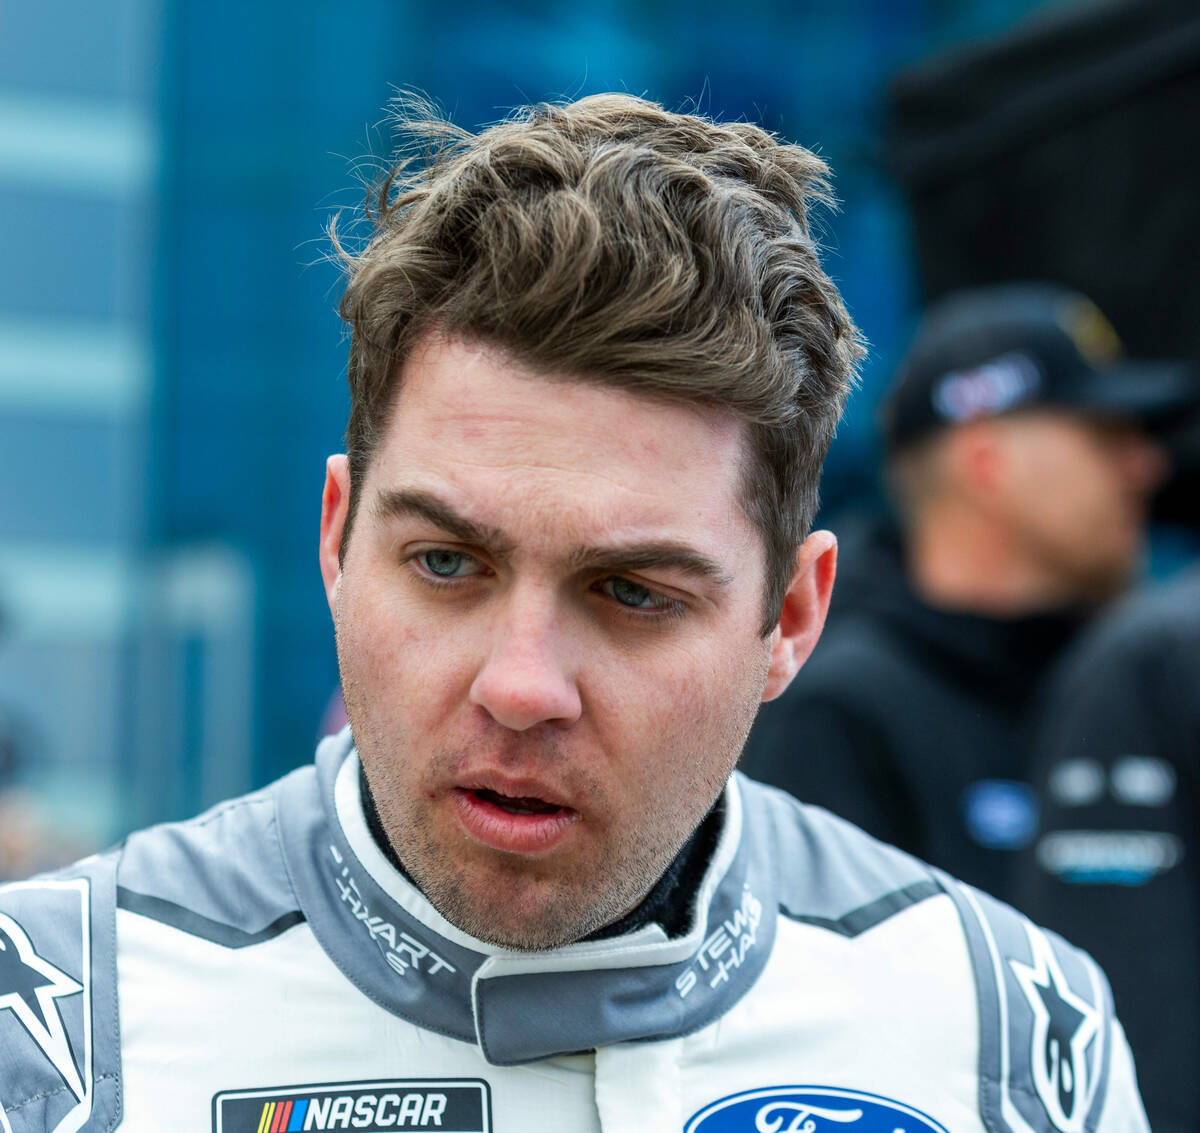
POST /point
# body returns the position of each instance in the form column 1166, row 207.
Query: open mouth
column 515, row 824
column 517, row 805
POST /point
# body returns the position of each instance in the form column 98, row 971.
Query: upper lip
column 514, row 788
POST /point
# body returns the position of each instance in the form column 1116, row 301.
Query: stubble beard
column 507, row 901
column 496, row 906
column 518, row 904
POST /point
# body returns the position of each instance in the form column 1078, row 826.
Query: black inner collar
column 668, row 904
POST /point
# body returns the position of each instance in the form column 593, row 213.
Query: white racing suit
column 264, row 969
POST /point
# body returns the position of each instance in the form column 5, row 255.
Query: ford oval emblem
column 809, row 1109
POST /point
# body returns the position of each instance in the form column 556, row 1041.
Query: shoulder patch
column 58, row 1015
column 1046, row 1022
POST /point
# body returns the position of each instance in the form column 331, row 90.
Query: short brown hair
column 617, row 242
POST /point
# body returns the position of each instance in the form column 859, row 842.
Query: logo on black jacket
column 449, row 1105
column 1064, row 1027
column 30, row 987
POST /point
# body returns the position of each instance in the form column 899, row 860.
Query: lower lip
column 497, row 828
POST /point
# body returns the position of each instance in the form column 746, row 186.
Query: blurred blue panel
column 79, row 46
column 72, row 146
column 238, row 263
column 64, row 255
column 72, row 475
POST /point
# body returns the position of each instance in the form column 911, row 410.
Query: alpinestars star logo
column 1064, row 1026
column 29, row 988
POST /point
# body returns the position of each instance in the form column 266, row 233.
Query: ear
column 804, row 608
column 335, row 501
column 978, row 458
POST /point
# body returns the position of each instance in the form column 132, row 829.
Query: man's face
column 548, row 630
column 1079, row 489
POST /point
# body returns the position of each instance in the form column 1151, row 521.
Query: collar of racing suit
column 518, row 1007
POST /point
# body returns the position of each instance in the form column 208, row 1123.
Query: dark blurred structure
column 1065, row 150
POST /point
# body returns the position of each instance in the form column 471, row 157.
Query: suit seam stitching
column 55, row 1093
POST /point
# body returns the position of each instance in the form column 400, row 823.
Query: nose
column 527, row 678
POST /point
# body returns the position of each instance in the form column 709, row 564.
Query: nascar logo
column 447, row 1105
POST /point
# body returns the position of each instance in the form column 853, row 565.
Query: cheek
column 1094, row 489
column 685, row 710
column 384, row 646
column 1059, row 486
column 1086, row 467
column 369, row 631
column 1049, row 471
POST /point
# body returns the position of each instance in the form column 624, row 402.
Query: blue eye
column 637, row 597
column 630, row 593
column 448, row 564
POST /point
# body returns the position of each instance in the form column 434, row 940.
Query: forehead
column 472, row 424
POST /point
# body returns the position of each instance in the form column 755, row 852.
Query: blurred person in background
column 32, row 837
column 595, row 367
column 1021, row 475
column 20, row 834
column 1117, row 861
column 25, row 842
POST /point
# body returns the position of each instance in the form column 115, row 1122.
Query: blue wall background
column 166, row 171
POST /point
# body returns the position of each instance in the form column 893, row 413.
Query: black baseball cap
column 991, row 350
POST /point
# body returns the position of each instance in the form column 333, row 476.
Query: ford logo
column 808, row 1109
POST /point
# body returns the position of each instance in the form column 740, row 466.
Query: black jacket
column 1117, row 864
column 912, row 721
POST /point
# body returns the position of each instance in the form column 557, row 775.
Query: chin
column 523, row 913
column 540, row 929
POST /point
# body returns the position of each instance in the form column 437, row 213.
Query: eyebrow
column 648, row 556
column 407, row 503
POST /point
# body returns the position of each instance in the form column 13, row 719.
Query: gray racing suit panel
column 220, row 876
column 60, row 1059
column 1046, row 1021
